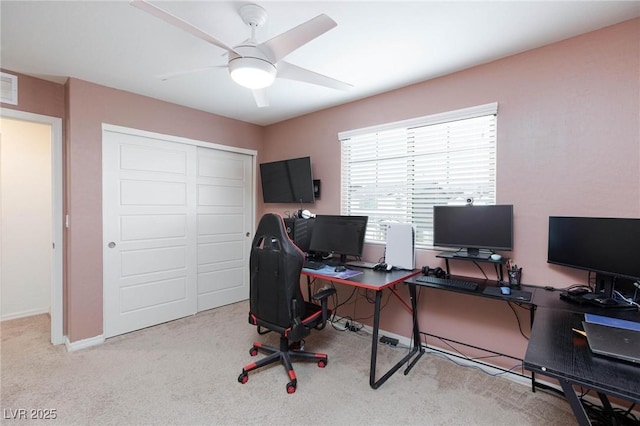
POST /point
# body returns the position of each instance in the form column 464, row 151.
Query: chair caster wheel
column 243, row 378
column 253, row 351
column 291, row 387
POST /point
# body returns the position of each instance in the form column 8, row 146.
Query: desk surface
column 482, row 284
column 556, row 351
column 373, row 280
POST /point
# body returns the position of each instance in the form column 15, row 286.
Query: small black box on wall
column 316, row 188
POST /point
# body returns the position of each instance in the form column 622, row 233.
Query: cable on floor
column 599, row 416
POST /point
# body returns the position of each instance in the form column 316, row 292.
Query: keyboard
column 313, row 264
column 446, row 282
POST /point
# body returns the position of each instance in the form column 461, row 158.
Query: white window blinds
column 397, row 172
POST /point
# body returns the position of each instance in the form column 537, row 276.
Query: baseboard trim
column 83, row 344
column 24, row 314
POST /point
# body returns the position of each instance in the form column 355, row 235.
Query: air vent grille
column 9, row 94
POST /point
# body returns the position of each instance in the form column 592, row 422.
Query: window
column 398, row 171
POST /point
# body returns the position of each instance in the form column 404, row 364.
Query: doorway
column 31, row 204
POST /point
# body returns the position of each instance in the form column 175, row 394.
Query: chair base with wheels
column 284, row 354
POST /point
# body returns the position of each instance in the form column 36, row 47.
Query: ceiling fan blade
column 260, row 95
column 170, row 75
column 294, row 72
column 281, row 45
column 179, row 23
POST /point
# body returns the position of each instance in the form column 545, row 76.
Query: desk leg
column 606, row 405
column 574, row 403
column 416, row 328
column 532, row 313
column 374, row 342
column 309, row 287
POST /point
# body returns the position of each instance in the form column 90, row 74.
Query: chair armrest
column 322, row 296
column 297, row 331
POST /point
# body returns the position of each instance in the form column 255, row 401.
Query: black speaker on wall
column 316, row 188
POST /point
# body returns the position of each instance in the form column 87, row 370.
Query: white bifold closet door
column 177, row 221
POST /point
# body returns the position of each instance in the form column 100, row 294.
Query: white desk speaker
column 400, row 252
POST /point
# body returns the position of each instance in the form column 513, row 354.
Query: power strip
column 389, row 341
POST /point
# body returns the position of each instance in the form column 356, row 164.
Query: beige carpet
column 185, row 372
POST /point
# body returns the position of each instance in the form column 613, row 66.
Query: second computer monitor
column 339, row 235
column 473, row 228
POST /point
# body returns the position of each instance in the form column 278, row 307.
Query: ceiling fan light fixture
column 252, row 73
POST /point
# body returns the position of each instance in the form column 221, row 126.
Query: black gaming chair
column 276, row 299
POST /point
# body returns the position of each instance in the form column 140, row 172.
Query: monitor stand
column 472, row 253
column 604, row 296
column 334, row 261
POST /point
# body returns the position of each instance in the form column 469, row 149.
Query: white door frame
column 56, row 308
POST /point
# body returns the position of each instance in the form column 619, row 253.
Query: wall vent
column 9, row 93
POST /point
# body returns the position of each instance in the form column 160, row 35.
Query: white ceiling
column 377, row 45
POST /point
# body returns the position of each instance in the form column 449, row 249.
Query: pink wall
column 89, row 106
column 568, row 144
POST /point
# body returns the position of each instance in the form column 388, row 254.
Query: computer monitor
column 476, row 230
column 338, row 235
column 287, row 181
column 610, row 247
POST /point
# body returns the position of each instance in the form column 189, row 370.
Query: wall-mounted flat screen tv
column 287, row 181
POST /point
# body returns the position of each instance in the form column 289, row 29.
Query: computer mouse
column 496, row 257
column 505, row 290
column 340, row 268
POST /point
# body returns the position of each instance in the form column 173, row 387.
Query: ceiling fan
column 256, row 65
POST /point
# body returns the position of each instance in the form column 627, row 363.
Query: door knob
column 112, row 244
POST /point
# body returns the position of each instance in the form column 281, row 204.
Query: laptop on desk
column 613, row 342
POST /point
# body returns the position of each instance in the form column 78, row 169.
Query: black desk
column 480, row 292
column 556, row 351
column 378, row 281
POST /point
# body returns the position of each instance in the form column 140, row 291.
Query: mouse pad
column 330, row 271
column 515, row 294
